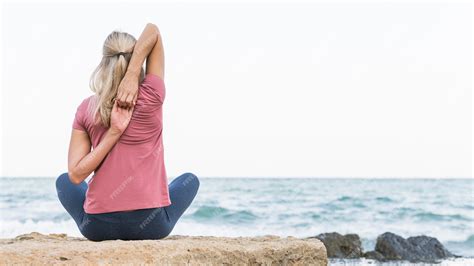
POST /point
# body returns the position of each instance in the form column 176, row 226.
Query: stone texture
column 415, row 249
column 52, row 249
column 341, row 246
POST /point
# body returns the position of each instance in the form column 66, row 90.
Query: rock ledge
column 36, row 248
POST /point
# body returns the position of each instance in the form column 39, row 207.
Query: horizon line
column 287, row 177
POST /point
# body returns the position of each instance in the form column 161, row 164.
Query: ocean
column 301, row 207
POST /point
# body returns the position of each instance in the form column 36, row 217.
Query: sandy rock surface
column 36, row 248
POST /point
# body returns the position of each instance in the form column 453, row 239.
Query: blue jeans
column 152, row 223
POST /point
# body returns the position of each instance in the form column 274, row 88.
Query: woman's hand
column 119, row 118
column 81, row 160
column 128, row 90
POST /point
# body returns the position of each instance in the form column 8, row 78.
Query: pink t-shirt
column 132, row 176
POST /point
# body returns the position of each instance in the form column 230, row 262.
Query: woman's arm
column 81, row 160
column 128, row 88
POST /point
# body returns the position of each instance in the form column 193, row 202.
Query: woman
column 128, row 196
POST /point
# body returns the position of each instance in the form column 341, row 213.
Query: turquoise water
column 442, row 208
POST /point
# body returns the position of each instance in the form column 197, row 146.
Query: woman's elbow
column 74, row 178
column 154, row 27
column 151, row 25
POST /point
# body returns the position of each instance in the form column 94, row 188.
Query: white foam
column 10, row 229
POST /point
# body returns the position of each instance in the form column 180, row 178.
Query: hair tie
column 117, row 54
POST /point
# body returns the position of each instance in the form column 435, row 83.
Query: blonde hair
column 104, row 81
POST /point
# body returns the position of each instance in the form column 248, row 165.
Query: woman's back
column 133, row 175
column 128, row 197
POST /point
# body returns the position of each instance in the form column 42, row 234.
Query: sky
column 256, row 89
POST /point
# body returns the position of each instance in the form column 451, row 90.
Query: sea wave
column 465, row 247
column 221, row 214
column 12, row 228
column 384, row 199
column 430, row 216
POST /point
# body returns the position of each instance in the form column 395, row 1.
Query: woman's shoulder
column 152, row 89
column 84, row 108
column 86, row 101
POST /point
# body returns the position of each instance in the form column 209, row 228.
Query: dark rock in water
column 341, row 246
column 374, row 255
column 415, row 249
